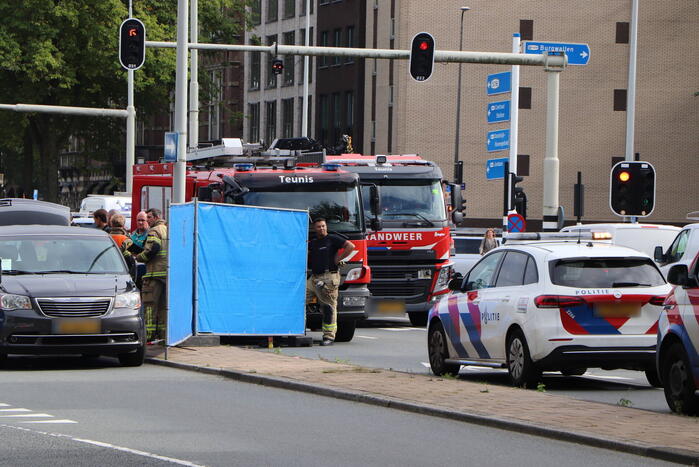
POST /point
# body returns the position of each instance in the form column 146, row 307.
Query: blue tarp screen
column 181, row 273
column 251, row 270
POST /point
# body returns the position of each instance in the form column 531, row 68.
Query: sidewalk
column 663, row 436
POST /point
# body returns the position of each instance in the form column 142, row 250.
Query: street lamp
column 458, row 95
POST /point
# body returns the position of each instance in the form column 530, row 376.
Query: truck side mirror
column 457, row 217
column 375, row 196
column 658, row 254
column 376, row 224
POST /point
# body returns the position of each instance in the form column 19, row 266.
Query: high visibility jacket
column 154, row 252
column 122, row 240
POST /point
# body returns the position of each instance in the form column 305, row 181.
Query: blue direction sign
column 499, row 112
column 578, row 54
column 499, row 83
column 498, row 140
column 495, row 168
column 170, row 147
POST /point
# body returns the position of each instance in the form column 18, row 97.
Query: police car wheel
column 438, row 353
column 573, row 371
column 522, row 371
column 653, row 377
column 679, row 385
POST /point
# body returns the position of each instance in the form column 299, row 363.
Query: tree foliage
column 65, row 52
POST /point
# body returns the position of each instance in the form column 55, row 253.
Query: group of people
column 145, row 252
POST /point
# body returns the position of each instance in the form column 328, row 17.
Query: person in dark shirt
column 100, row 219
column 325, row 253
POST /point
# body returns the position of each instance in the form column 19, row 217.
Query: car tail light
column 558, row 301
column 657, row 300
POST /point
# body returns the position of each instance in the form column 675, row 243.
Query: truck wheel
column 438, row 352
column 679, row 384
column 135, row 358
column 523, row 372
column 345, row 330
column 418, row 318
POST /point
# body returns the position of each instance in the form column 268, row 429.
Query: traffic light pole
column 130, row 133
column 551, row 162
column 178, row 173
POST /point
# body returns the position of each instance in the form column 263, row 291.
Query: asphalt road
column 395, row 344
column 73, row 412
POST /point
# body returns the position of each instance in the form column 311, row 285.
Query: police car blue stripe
column 474, row 336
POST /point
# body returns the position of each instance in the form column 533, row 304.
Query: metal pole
column 306, row 72
column 194, row 79
column 631, row 93
column 464, row 9
column 130, row 133
column 514, row 108
column 181, row 103
column 551, row 163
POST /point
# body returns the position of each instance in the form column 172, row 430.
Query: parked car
column 20, row 211
column 641, row 237
column 67, row 290
column 683, row 249
column 678, row 339
column 555, row 304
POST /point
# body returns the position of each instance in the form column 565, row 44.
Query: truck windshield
column 338, row 204
column 409, row 200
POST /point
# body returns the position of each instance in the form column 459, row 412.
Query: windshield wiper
column 629, row 284
column 16, row 272
column 419, row 216
column 55, row 271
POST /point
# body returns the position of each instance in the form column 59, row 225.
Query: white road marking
column 27, row 415
column 15, row 410
column 109, row 446
column 2, row 404
column 425, row 364
column 51, row 421
column 367, row 337
column 402, row 329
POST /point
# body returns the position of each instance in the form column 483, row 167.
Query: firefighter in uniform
column 153, row 292
column 325, row 253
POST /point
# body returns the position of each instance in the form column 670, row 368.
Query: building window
column 620, row 100
column 213, row 108
column 255, row 70
column 337, row 43
column 254, row 120
column 256, row 12
column 324, row 2
column 525, row 98
column 337, row 116
column 290, row 8
column 271, row 121
column 288, row 118
column 272, row 10
column 324, row 118
column 349, row 112
column 523, row 165
column 622, row 33
column 289, row 71
column 526, row 29
column 323, row 62
column 271, row 77
column 350, row 42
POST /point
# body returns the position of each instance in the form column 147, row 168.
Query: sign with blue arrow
column 499, row 112
column 495, row 168
column 578, row 54
column 170, row 147
column 498, row 140
column 499, row 83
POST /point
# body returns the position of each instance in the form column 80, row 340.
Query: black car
column 67, row 290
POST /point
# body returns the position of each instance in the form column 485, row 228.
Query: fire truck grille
column 73, row 307
column 393, row 273
column 417, row 291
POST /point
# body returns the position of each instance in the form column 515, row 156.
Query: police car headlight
column 353, row 301
column 9, row 302
column 128, row 300
column 443, row 279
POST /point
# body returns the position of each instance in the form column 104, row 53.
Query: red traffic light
column 424, row 45
column 624, row 176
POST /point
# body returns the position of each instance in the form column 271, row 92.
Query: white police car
column 554, row 302
column 678, row 339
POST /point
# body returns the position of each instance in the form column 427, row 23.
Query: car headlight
column 354, row 274
column 128, row 300
column 443, row 279
column 10, row 302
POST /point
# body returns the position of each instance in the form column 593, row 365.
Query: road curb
column 655, row 452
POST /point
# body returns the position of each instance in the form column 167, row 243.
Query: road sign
column 498, row 140
column 578, row 54
column 499, row 83
column 516, row 223
column 495, row 168
column 170, row 147
column 499, row 112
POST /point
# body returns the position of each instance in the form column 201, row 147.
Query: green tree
column 65, row 52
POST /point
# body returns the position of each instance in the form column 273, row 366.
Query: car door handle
column 505, row 299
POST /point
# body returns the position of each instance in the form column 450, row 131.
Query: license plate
column 390, row 307
column 617, row 310
column 77, row 326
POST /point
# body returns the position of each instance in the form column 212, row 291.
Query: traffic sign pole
column 551, row 162
column 514, row 106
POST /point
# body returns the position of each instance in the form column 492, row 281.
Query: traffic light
column 132, row 44
column 517, row 195
column 277, row 66
column 632, row 189
column 422, row 56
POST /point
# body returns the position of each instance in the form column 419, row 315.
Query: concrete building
column 404, row 116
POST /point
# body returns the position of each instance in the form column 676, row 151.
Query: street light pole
column 458, row 93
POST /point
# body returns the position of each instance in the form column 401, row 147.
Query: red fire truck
column 231, row 174
column 410, row 265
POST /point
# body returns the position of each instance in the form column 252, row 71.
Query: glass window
column 323, row 61
column 158, row 197
column 256, row 11
column 512, row 269
column 469, row 246
column 606, row 273
column 214, row 104
column 254, row 119
column 289, row 71
column 288, row 118
column 349, row 113
column 678, row 247
column 337, row 43
column 350, row 42
column 255, row 70
column 271, row 120
column 337, row 116
column 290, row 8
column 531, row 276
column 482, row 274
column 409, row 202
column 272, row 10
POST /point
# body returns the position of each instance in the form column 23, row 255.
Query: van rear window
column 605, row 273
column 467, row 245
